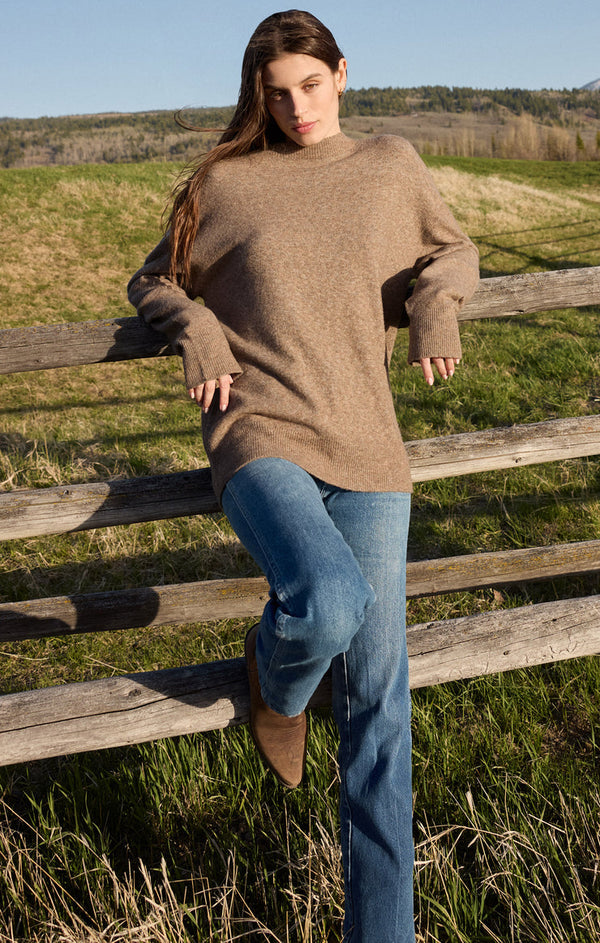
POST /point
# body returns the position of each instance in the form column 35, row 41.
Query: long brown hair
column 251, row 127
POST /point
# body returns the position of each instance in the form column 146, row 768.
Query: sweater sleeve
column 446, row 271
column 193, row 330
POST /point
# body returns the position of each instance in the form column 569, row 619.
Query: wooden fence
column 134, row 708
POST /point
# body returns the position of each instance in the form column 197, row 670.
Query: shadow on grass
column 104, row 447
column 491, row 245
column 83, row 402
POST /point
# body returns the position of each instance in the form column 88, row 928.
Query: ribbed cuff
column 202, row 365
column 433, row 333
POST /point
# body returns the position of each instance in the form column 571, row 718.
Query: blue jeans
column 335, row 561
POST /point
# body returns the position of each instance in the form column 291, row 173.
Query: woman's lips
column 304, row 128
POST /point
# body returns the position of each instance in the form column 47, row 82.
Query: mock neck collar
column 331, row 148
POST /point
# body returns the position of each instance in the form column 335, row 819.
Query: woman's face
column 302, row 96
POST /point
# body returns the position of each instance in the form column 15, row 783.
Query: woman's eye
column 312, row 85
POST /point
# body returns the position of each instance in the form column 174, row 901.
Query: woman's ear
column 341, row 75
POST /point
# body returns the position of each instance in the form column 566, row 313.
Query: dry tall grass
column 484, row 135
column 522, row 869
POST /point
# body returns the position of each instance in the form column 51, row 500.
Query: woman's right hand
column 445, row 366
column 204, row 393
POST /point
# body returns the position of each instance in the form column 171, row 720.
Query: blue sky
column 85, row 56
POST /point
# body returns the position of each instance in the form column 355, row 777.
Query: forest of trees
column 545, row 105
column 143, row 136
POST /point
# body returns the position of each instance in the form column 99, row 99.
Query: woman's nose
column 297, row 105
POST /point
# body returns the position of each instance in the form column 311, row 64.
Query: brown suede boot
column 281, row 741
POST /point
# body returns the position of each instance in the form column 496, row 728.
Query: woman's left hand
column 445, row 366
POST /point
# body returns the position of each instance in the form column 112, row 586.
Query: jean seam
column 348, row 806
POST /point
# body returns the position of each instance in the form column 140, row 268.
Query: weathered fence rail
column 210, row 600
column 134, row 708
column 77, row 343
column 66, row 508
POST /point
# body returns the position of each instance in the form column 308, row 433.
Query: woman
column 302, row 244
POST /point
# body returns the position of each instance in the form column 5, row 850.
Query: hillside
column 514, row 123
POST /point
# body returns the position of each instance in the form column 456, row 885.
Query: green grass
column 581, row 176
column 188, row 839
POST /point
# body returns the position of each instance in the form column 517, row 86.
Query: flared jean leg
column 371, row 705
column 335, row 562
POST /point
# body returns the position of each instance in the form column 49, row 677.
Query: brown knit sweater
column 303, row 259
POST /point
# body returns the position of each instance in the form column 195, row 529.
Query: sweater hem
column 359, row 478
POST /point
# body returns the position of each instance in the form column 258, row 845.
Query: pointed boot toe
column 280, row 740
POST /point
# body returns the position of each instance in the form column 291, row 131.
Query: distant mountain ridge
column 591, row 86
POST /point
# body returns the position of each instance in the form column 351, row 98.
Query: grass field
column 188, row 839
